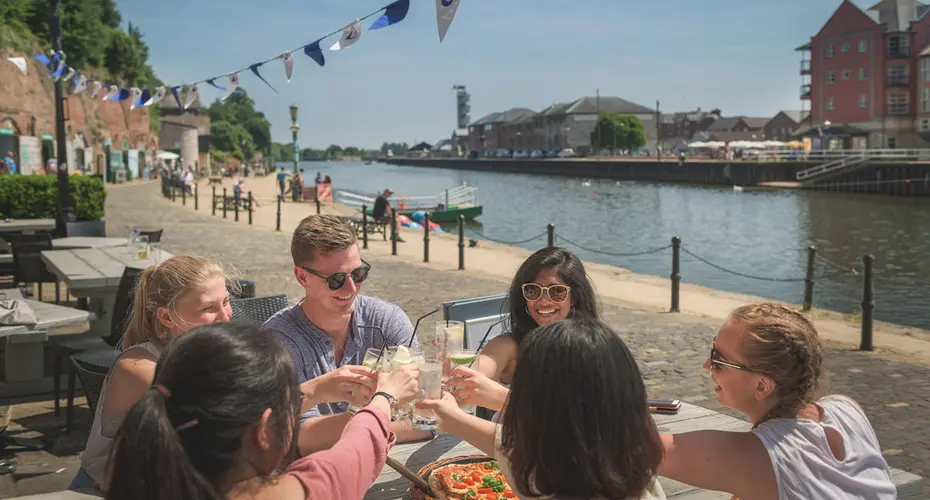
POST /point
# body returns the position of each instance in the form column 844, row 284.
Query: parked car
column 566, row 153
column 537, row 153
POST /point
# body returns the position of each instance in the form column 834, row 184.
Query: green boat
column 450, row 214
column 445, row 207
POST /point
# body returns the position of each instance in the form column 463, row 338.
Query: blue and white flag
column 113, row 91
column 288, row 59
column 393, row 14
column 80, row 84
column 192, row 94
column 122, row 95
column 20, row 63
column 143, row 98
column 68, row 75
column 445, row 13
column 314, row 52
column 97, row 88
column 156, row 97
column 350, row 35
column 254, row 69
column 134, row 94
column 233, row 85
column 43, row 58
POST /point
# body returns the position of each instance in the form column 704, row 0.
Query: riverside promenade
column 892, row 383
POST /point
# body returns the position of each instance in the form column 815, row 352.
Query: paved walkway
column 670, row 348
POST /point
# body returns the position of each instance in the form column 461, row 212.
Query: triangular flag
column 111, row 93
column 144, row 98
column 177, row 98
column 350, row 35
column 212, row 81
column 43, row 58
column 69, row 74
column 60, row 58
column 445, row 13
column 288, row 59
column 254, row 69
column 192, row 94
column 314, row 52
column 97, row 88
column 20, row 63
column 233, row 85
column 122, row 95
column 393, row 14
column 158, row 96
column 134, row 95
column 80, row 84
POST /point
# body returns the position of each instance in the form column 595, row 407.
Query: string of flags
column 391, row 14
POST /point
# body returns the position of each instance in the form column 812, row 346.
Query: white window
column 925, row 100
column 830, row 50
column 863, row 46
column 924, row 125
column 829, row 103
column 898, row 103
column 863, row 74
column 844, row 48
column 925, row 70
column 846, row 74
column 863, row 100
column 831, row 77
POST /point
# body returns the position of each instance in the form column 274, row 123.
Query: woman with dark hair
column 550, row 285
column 219, row 421
column 577, row 423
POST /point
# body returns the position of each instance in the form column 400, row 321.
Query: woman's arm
column 132, row 376
column 495, row 356
column 733, row 462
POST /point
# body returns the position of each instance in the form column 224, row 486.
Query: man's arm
column 321, row 433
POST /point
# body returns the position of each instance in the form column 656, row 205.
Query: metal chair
column 69, row 345
column 257, row 310
column 86, row 228
column 92, row 369
column 27, row 261
column 154, row 235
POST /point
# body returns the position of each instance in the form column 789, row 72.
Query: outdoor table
column 6, row 258
column 95, row 273
column 87, row 242
column 391, row 485
column 24, row 357
column 21, row 225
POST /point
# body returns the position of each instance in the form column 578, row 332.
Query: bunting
column 389, row 15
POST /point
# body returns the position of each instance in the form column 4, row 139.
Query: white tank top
column 805, row 468
column 103, row 429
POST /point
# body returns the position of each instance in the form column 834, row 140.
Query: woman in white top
column 766, row 362
column 576, row 424
column 170, row 299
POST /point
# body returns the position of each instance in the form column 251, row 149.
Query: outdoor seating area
column 373, row 226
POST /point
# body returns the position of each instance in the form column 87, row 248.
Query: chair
column 27, row 261
column 92, row 369
column 69, row 345
column 86, row 228
column 153, row 235
column 257, row 310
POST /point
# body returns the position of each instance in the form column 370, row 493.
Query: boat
column 443, row 207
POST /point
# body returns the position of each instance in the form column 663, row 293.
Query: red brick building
column 867, row 72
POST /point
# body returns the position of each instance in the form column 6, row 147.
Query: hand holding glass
column 466, row 358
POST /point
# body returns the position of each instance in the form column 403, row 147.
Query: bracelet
column 392, row 401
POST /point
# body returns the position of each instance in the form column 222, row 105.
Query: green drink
column 464, row 357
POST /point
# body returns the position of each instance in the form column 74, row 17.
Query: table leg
column 102, row 307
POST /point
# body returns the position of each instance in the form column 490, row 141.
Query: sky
column 395, row 84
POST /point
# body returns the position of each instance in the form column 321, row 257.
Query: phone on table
column 665, row 406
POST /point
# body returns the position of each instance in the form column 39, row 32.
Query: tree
column 124, row 61
column 238, row 112
column 615, row 131
column 395, row 147
column 232, row 139
column 333, row 151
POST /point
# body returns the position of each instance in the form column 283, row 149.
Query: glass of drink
column 142, row 244
column 451, row 337
column 431, row 385
column 373, row 361
column 464, row 357
column 155, row 250
column 401, row 356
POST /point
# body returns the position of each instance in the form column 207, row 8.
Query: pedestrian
column 9, row 164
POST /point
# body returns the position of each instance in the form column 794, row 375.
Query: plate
column 418, row 494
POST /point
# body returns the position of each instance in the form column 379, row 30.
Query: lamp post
column 294, row 129
column 65, row 212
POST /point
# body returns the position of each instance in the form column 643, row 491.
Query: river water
column 764, row 234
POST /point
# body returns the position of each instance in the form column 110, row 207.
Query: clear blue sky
column 395, row 83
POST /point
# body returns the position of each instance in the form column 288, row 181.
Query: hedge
column 36, row 196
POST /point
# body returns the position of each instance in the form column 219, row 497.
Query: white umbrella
column 166, row 155
column 773, row 144
column 697, row 144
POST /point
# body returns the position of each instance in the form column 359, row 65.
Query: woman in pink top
column 219, row 423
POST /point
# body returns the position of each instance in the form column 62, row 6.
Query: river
column 759, row 233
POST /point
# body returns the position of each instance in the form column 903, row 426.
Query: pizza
column 473, row 481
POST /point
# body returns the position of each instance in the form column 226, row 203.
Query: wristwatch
column 391, row 400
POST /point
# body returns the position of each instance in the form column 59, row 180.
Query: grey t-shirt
column 312, row 348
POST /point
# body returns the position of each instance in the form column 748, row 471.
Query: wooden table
column 95, row 273
column 24, row 345
column 87, row 242
column 391, row 485
column 21, row 225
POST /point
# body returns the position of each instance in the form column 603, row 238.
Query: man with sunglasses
column 330, row 329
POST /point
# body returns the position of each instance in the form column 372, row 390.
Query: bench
column 374, row 226
column 230, row 202
column 215, row 179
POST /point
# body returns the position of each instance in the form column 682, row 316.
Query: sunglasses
column 336, row 281
column 534, row 291
column 715, row 360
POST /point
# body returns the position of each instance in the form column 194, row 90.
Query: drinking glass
column 431, row 385
column 400, row 356
column 131, row 240
column 374, row 361
column 142, row 245
column 450, row 336
column 155, row 250
column 464, row 357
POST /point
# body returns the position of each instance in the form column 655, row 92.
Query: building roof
column 925, row 52
column 896, row 15
column 732, row 136
column 755, row 122
column 724, row 124
column 423, row 146
column 491, row 118
column 515, row 115
column 443, row 145
column 605, row 104
column 806, row 46
column 795, row 114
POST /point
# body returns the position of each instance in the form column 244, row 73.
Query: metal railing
column 830, row 155
column 460, row 195
column 832, row 166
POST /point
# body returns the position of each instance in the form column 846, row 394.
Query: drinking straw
column 383, row 340
column 417, row 326
column 483, row 340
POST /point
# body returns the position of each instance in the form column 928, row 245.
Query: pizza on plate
column 473, row 481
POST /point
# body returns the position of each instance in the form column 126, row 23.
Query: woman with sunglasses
column 549, row 286
column 766, row 363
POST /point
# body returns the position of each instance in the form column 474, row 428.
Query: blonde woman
column 170, row 299
column 766, row 363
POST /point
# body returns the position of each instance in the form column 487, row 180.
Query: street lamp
column 65, row 212
column 294, row 129
column 826, row 136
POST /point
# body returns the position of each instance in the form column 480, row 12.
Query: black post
column 213, row 200
column 237, row 196
column 65, row 211
column 550, row 235
column 278, row 226
column 174, row 194
column 196, row 196
column 250, row 207
column 318, row 205
column 676, row 273
column 809, row 279
column 426, row 238
column 184, row 196
column 461, row 242
column 224, row 203
column 393, row 232
column 658, row 131
column 868, row 304
column 364, row 227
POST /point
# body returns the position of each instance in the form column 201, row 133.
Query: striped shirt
column 312, row 348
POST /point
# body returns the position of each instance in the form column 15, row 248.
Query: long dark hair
column 570, row 270
column 577, row 423
column 183, row 437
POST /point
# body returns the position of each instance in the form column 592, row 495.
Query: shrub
column 36, row 196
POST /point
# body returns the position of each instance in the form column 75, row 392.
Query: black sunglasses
column 336, row 281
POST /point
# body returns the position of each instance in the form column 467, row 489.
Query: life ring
column 402, row 202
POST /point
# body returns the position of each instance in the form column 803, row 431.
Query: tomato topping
column 509, row 494
column 459, row 485
column 485, row 490
column 470, row 481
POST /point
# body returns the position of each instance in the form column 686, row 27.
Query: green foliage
column 238, row 129
column 615, row 131
column 395, row 147
column 36, row 196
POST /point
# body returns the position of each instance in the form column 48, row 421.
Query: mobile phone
column 665, row 403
